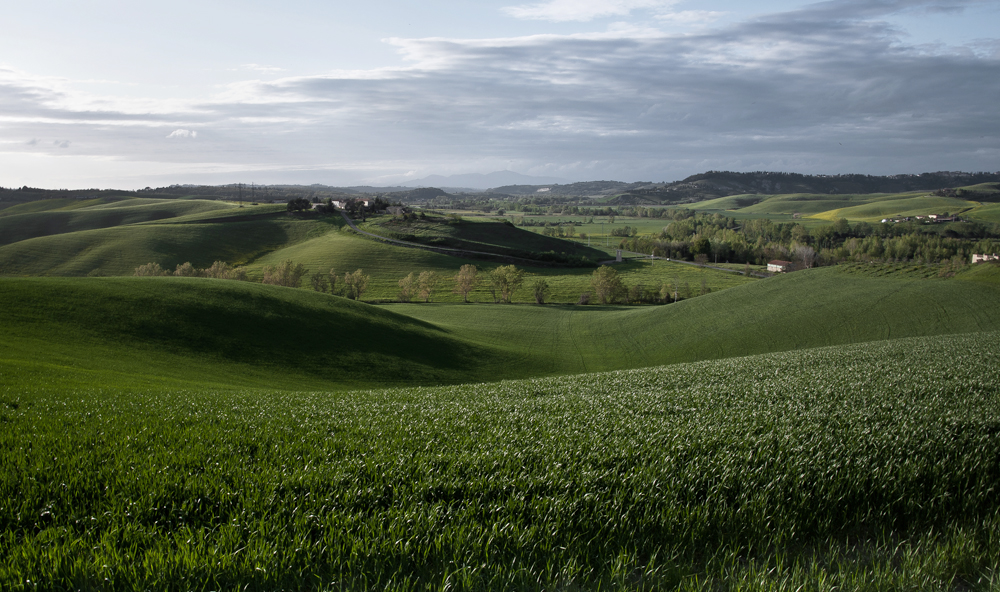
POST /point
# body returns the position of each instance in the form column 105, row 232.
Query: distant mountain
column 481, row 181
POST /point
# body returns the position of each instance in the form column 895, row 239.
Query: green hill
column 187, row 331
column 502, row 238
column 828, row 306
column 196, row 330
column 17, row 226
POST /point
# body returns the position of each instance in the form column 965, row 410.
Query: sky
column 124, row 94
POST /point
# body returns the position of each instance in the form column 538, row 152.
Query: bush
column 286, row 274
column 540, row 289
column 150, row 269
column 186, row 270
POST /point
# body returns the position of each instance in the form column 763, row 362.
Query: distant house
column 981, row 258
column 779, row 266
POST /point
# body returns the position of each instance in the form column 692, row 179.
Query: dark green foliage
column 298, row 204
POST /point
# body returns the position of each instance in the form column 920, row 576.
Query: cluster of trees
column 353, row 285
column 218, row 270
column 502, row 282
column 287, row 273
column 714, row 237
column 609, row 288
column 423, row 285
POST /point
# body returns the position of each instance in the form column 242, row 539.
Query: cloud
column 260, row 68
column 829, row 88
column 583, row 10
column 688, row 17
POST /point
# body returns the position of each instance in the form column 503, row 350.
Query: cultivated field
column 836, row 428
column 860, row 467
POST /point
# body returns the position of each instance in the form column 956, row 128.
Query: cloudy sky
column 115, row 93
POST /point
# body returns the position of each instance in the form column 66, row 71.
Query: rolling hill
column 220, row 332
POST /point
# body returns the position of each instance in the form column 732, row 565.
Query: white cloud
column 583, row 10
column 183, row 133
column 260, row 68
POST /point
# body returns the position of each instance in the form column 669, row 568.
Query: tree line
column 714, row 237
column 503, row 283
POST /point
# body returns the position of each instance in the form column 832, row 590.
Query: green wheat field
column 836, row 428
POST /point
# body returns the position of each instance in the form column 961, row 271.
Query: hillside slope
column 819, row 307
column 180, row 330
column 15, row 226
column 123, row 330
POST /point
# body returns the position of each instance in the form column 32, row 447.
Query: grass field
column 16, row 227
column 818, row 209
column 867, row 467
column 165, row 330
column 887, row 208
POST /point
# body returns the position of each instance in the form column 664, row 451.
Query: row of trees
column 287, row 273
column 502, row 282
column 218, row 270
column 353, row 285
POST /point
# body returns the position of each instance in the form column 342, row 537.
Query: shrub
column 286, row 274
column 150, row 269
column 406, row 287
column 186, row 270
column 540, row 289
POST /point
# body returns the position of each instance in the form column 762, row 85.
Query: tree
column 186, row 270
column 507, row 280
column 427, row 281
column 299, row 204
column 407, row 286
column 805, row 254
column 356, row 284
column 219, row 270
column 319, row 282
column 701, row 246
column 286, row 274
column 607, row 284
column 665, row 292
column 332, row 276
column 150, row 269
column 541, row 289
column 466, row 281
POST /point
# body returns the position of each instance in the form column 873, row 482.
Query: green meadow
column 836, row 428
column 859, row 207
